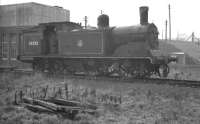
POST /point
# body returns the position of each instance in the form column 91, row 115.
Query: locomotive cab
column 50, row 41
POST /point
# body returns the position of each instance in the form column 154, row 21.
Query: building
column 17, row 17
column 28, row 14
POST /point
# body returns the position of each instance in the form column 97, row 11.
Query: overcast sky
column 184, row 13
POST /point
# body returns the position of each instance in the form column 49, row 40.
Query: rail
column 159, row 81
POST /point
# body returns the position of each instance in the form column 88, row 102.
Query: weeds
column 118, row 103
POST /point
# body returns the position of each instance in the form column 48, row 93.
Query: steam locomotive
column 66, row 47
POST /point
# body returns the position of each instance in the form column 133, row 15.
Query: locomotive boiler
column 66, row 47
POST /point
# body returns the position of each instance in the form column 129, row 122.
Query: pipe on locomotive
column 144, row 15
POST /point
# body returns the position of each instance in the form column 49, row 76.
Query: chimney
column 144, row 15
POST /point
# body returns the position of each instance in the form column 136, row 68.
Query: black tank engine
column 66, row 47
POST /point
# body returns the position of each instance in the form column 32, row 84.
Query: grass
column 141, row 103
column 184, row 72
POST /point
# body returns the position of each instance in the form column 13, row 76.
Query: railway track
column 173, row 82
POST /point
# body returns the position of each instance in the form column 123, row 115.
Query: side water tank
column 103, row 21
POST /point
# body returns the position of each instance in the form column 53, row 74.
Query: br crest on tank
column 66, row 47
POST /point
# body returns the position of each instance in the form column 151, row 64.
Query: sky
column 185, row 18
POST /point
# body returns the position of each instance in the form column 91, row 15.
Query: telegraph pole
column 101, row 12
column 86, row 20
column 169, row 22
column 192, row 36
column 166, row 30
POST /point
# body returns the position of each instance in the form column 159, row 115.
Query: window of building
column 8, row 46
